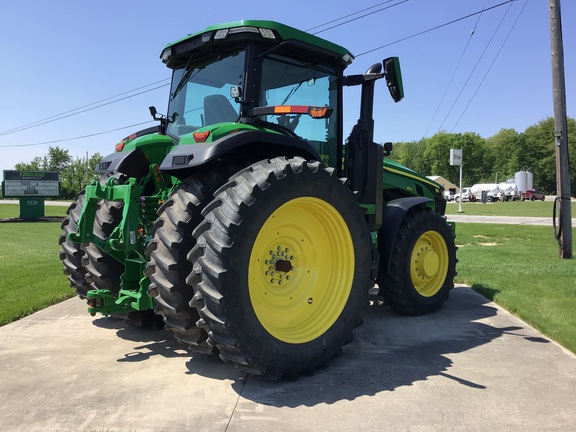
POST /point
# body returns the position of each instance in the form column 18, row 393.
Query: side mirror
column 394, row 78
column 387, row 148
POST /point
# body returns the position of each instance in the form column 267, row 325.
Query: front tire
column 282, row 268
column 423, row 264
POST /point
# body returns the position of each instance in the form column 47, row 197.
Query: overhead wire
column 85, row 108
column 475, row 67
column 76, row 138
column 472, row 33
column 116, row 98
column 490, row 68
column 357, row 18
column 434, row 28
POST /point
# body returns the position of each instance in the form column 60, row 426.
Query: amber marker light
column 201, row 137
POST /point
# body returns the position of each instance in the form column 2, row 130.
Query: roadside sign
column 20, row 184
column 31, row 187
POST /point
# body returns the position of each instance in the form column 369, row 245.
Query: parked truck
column 244, row 221
column 467, row 195
column 490, row 192
column 508, row 191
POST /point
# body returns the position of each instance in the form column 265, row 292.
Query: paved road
column 471, row 366
column 514, row 220
column 54, row 203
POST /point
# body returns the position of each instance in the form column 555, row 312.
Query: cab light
column 166, row 54
column 236, row 30
column 267, row 33
column 221, row 34
column 320, row 112
column 201, row 137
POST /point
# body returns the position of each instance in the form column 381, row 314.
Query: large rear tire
column 102, row 270
column 423, row 264
column 169, row 266
column 170, row 245
column 72, row 254
column 282, row 268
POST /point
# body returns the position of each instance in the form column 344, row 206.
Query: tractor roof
column 270, row 32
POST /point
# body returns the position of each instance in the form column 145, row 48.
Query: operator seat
column 217, row 108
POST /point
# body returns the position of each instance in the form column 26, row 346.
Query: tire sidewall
column 239, row 307
column 437, row 224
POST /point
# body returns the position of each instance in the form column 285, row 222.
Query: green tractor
column 244, row 222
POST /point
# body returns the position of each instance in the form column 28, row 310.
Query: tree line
column 75, row 173
column 485, row 159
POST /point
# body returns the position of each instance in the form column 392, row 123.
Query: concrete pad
column 471, row 366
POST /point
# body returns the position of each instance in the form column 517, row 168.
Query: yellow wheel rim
column 301, row 270
column 429, row 263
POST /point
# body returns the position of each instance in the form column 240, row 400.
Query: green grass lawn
column 516, row 208
column 32, row 277
column 518, row 268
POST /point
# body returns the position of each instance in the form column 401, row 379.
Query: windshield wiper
column 187, row 77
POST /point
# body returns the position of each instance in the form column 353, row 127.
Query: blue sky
column 61, row 55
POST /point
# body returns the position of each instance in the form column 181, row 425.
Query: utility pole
column 560, row 133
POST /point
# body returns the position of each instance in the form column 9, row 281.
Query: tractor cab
column 257, row 75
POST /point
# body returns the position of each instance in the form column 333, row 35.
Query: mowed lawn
column 31, row 275
column 516, row 266
column 514, row 208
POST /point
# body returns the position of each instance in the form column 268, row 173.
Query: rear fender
column 392, row 216
column 133, row 163
column 184, row 159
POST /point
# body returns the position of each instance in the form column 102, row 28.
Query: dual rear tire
column 281, row 270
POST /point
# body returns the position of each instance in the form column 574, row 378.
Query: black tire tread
column 215, row 235
column 396, row 287
column 71, row 254
column 169, row 264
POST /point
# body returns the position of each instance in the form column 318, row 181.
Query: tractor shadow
column 391, row 351
column 150, row 342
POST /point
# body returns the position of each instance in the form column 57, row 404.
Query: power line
column 92, row 106
column 455, row 70
column 100, row 103
column 357, row 18
column 475, row 67
column 435, row 28
column 109, row 101
column 492, row 64
column 349, row 15
column 76, row 138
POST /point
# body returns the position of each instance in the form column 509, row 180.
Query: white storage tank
column 524, row 180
